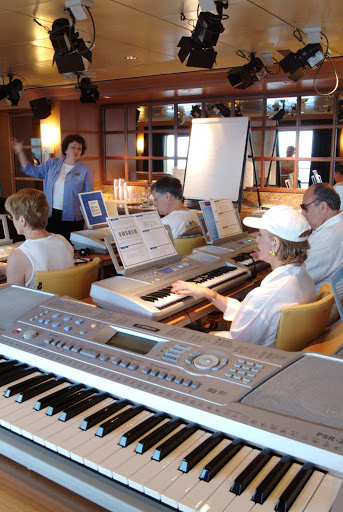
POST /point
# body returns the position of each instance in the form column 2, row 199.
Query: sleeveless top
column 50, row 253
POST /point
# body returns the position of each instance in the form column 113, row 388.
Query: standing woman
column 64, row 178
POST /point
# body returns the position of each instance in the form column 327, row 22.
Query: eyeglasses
column 304, row 206
column 10, row 217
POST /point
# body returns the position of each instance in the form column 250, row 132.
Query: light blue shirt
column 78, row 180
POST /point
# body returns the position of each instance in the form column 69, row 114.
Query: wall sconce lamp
column 49, row 136
column 140, row 144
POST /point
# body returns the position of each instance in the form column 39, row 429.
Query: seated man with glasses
column 29, row 209
column 321, row 208
column 167, row 194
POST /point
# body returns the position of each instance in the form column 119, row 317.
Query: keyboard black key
column 170, row 444
column 113, row 423
column 51, row 399
column 70, row 400
column 27, row 384
column 7, row 364
column 154, row 437
column 39, row 389
column 216, row 464
column 10, row 375
column 104, row 413
column 200, row 452
column 76, row 409
column 141, row 429
column 271, row 480
column 290, row 494
column 17, row 374
column 248, row 474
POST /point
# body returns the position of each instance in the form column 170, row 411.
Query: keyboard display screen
column 132, row 343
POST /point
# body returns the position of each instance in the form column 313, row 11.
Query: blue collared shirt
column 78, row 180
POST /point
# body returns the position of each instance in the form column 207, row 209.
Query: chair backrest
column 303, row 323
column 74, row 282
column 336, row 278
column 185, row 246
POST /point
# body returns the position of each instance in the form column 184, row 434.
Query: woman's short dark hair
column 168, row 184
column 325, row 192
column 73, row 138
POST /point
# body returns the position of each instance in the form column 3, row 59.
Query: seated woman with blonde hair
column 41, row 251
column 282, row 242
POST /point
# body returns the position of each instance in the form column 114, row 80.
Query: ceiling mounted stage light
column 199, row 47
column 89, row 91
column 282, row 112
column 41, row 108
column 246, row 75
column 12, row 91
column 195, row 112
column 71, row 53
column 295, row 63
column 223, row 110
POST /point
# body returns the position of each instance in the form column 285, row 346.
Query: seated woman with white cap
column 282, row 242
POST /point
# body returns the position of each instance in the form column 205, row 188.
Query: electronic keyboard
column 147, row 292
column 92, row 239
column 142, row 416
column 237, row 249
column 5, row 250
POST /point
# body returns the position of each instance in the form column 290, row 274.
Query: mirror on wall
column 162, row 117
column 316, row 110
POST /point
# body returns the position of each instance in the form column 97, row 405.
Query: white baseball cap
column 283, row 221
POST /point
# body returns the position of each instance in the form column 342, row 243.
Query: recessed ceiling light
column 130, row 57
column 106, row 97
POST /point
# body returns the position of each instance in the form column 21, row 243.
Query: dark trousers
column 63, row 227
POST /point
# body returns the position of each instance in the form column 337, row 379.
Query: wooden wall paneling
column 7, row 168
column 85, row 120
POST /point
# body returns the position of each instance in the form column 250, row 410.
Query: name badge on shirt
column 76, row 174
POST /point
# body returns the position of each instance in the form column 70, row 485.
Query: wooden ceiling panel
column 151, row 29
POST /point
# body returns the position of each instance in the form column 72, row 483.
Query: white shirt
column 256, row 319
column 58, row 190
column 325, row 256
column 181, row 221
column 339, row 189
column 50, row 253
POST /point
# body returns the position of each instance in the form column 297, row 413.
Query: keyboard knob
column 30, row 334
column 205, row 361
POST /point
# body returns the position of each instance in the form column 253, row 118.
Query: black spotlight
column 41, row 108
column 12, row 91
column 199, row 47
column 89, row 91
column 220, row 108
column 196, row 111
column 295, row 63
column 280, row 115
column 71, row 52
column 245, row 76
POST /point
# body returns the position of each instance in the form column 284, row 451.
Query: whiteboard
column 215, row 158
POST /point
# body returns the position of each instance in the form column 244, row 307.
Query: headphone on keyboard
column 84, row 252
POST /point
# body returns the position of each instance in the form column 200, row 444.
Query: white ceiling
column 150, row 31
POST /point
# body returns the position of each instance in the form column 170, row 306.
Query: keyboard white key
column 146, row 474
column 243, row 502
column 325, row 495
column 270, row 503
column 212, row 496
column 167, row 479
column 307, row 492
